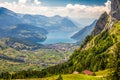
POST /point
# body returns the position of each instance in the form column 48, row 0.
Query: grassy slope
column 70, row 77
column 75, row 77
column 99, row 76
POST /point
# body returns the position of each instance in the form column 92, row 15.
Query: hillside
column 24, row 32
column 80, row 35
column 8, row 18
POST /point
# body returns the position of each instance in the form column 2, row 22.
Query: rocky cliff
column 100, row 24
column 115, row 9
column 115, row 16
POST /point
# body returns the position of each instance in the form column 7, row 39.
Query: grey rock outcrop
column 115, row 9
column 100, row 24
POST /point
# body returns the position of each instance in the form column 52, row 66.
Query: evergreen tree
column 115, row 64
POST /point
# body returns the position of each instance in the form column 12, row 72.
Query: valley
column 16, row 57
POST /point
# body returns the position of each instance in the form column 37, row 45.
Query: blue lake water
column 59, row 37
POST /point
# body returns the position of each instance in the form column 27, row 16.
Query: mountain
column 55, row 23
column 80, row 36
column 13, row 25
column 115, row 9
column 8, row 18
column 24, row 32
column 101, row 23
column 97, row 52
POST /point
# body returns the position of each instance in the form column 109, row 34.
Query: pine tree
column 115, row 64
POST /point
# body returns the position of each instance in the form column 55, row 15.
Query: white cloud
column 108, row 5
column 75, row 12
column 37, row 2
column 22, row 1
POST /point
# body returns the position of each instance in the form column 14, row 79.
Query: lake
column 59, row 37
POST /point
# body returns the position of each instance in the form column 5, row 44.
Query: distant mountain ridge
column 55, row 23
column 8, row 18
column 80, row 35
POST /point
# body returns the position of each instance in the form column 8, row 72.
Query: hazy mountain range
column 32, row 27
column 55, row 23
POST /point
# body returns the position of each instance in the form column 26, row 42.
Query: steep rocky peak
column 115, row 9
column 100, row 24
column 115, row 16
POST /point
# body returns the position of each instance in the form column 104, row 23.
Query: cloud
column 108, row 5
column 75, row 12
column 37, row 2
column 22, row 1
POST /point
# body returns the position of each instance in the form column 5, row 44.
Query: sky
column 80, row 11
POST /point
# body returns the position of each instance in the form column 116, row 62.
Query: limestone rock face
column 100, row 24
column 115, row 9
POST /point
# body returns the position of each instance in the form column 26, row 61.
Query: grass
column 80, row 77
column 70, row 77
column 102, row 73
column 99, row 76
